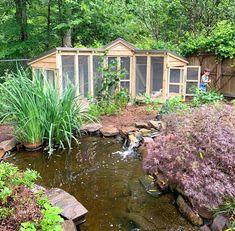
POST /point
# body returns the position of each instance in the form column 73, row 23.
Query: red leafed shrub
column 197, row 153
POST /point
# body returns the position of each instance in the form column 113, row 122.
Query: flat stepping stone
column 8, row 145
column 158, row 125
column 71, row 208
column 127, row 130
column 148, row 182
column 109, row 130
column 142, row 125
column 91, row 127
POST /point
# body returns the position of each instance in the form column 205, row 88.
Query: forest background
column 29, row 27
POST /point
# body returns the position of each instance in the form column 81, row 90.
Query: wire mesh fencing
column 8, row 66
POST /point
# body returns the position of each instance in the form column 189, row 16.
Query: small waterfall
column 132, row 142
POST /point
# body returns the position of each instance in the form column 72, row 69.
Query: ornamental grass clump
column 197, row 153
column 39, row 113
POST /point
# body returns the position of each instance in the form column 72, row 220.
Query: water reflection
column 106, row 185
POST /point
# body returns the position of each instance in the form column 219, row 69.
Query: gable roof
column 122, row 41
column 106, row 47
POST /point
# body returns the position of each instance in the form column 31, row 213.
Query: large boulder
column 187, row 211
column 109, row 130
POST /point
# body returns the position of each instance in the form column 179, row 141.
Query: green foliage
column 94, row 110
column 121, row 98
column 39, row 113
column 111, row 77
column 220, row 41
column 152, row 104
column 173, row 104
column 109, row 99
column 152, row 24
column 28, row 226
column 207, row 97
column 10, row 177
column 5, row 212
column 51, row 220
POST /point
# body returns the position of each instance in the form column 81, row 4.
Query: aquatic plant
column 21, row 105
column 197, row 154
column 39, row 112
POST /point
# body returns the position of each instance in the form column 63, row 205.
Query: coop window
column 156, row 74
column 125, row 68
column 50, row 77
column 97, row 73
column 141, row 73
column 83, row 65
column 68, row 75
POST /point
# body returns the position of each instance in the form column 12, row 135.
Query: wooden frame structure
column 154, row 72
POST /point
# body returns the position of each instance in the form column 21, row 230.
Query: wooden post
column 90, row 75
column 76, row 75
column 165, row 78
column 131, row 77
column 218, row 75
column 60, row 76
column 134, row 77
column 148, row 74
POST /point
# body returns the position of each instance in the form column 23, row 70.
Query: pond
column 106, row 184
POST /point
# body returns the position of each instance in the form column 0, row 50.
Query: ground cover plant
column 197, row 154
column 20, row 208
column 173, row 104
column 209, row 97
column 39, row 113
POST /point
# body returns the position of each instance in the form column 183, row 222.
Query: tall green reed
column 39, row 113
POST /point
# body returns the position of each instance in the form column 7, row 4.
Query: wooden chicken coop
column 158, row 73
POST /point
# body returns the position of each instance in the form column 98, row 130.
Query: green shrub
column 109, row 100
column 207, row 97
column 121, row 98
column 39, row 113
column 173, row 104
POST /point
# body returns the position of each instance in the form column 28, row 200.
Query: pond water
column 107, row 185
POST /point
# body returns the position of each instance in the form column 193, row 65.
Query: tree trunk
column 67, row 39
column 21, row 18
column 48, row 24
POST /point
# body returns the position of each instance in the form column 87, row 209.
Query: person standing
column 205, row 80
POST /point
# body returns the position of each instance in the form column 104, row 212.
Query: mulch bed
column 25, row 209
column 6, row 133
column 128, row 116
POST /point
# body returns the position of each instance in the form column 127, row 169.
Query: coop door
column 176, row 81
column 192, row 79
column 183, row 80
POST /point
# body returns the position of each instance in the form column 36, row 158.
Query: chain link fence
column 11, row 65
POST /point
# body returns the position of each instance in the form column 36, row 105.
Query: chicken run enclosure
column 158, row 73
